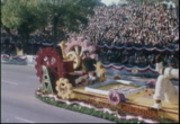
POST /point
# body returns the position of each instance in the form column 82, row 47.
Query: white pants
column 164, row 89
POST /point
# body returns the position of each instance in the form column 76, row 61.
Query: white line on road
column 24, row 120
column 9, row 82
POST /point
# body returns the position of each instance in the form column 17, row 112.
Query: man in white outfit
column 164, row 89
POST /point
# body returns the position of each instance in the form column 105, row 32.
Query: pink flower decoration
column 151, row 83
column 115, row 97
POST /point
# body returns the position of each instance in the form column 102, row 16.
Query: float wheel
column 64, row 88
column 50, row 58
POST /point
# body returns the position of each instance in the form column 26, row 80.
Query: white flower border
column 127, row 117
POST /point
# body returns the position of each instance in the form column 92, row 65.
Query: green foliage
column 23, row 15
column 9, row 12
column 57, row 16
column 66, row 15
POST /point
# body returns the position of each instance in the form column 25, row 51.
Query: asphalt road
column 19, row 104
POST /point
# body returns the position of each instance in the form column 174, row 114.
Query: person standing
column 164, row 89
column 89, row 66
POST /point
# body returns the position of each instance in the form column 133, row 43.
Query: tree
column 62, row 16
column 66, row 15
column 24, row 16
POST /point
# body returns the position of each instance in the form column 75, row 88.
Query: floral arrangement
column 151, row 83
column 19, row 58
column 5, row 57
column 116, row 97
column 14, row 59
column 97, row 112
column 117, row 77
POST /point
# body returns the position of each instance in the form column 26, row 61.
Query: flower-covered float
column 18, row 59
column 72, row 77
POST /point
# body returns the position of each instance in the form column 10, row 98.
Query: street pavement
column 19, row 104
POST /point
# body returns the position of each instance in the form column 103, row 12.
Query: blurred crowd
column 140, row 58
column 133, row 25
column 150, row 26
column 9, row 43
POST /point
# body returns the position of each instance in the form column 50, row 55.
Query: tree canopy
column 25, row 16
column 66, row 15
column 22, row 15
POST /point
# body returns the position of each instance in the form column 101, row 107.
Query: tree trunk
column 25, row 44
column 55, row 21
column 21, row 48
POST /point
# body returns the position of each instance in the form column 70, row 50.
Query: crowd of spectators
column 140, row 58
column 150, row 26
column 9, row 43
column 146, row 25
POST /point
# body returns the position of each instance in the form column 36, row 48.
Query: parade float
column 18, row 60
column 71, row 77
